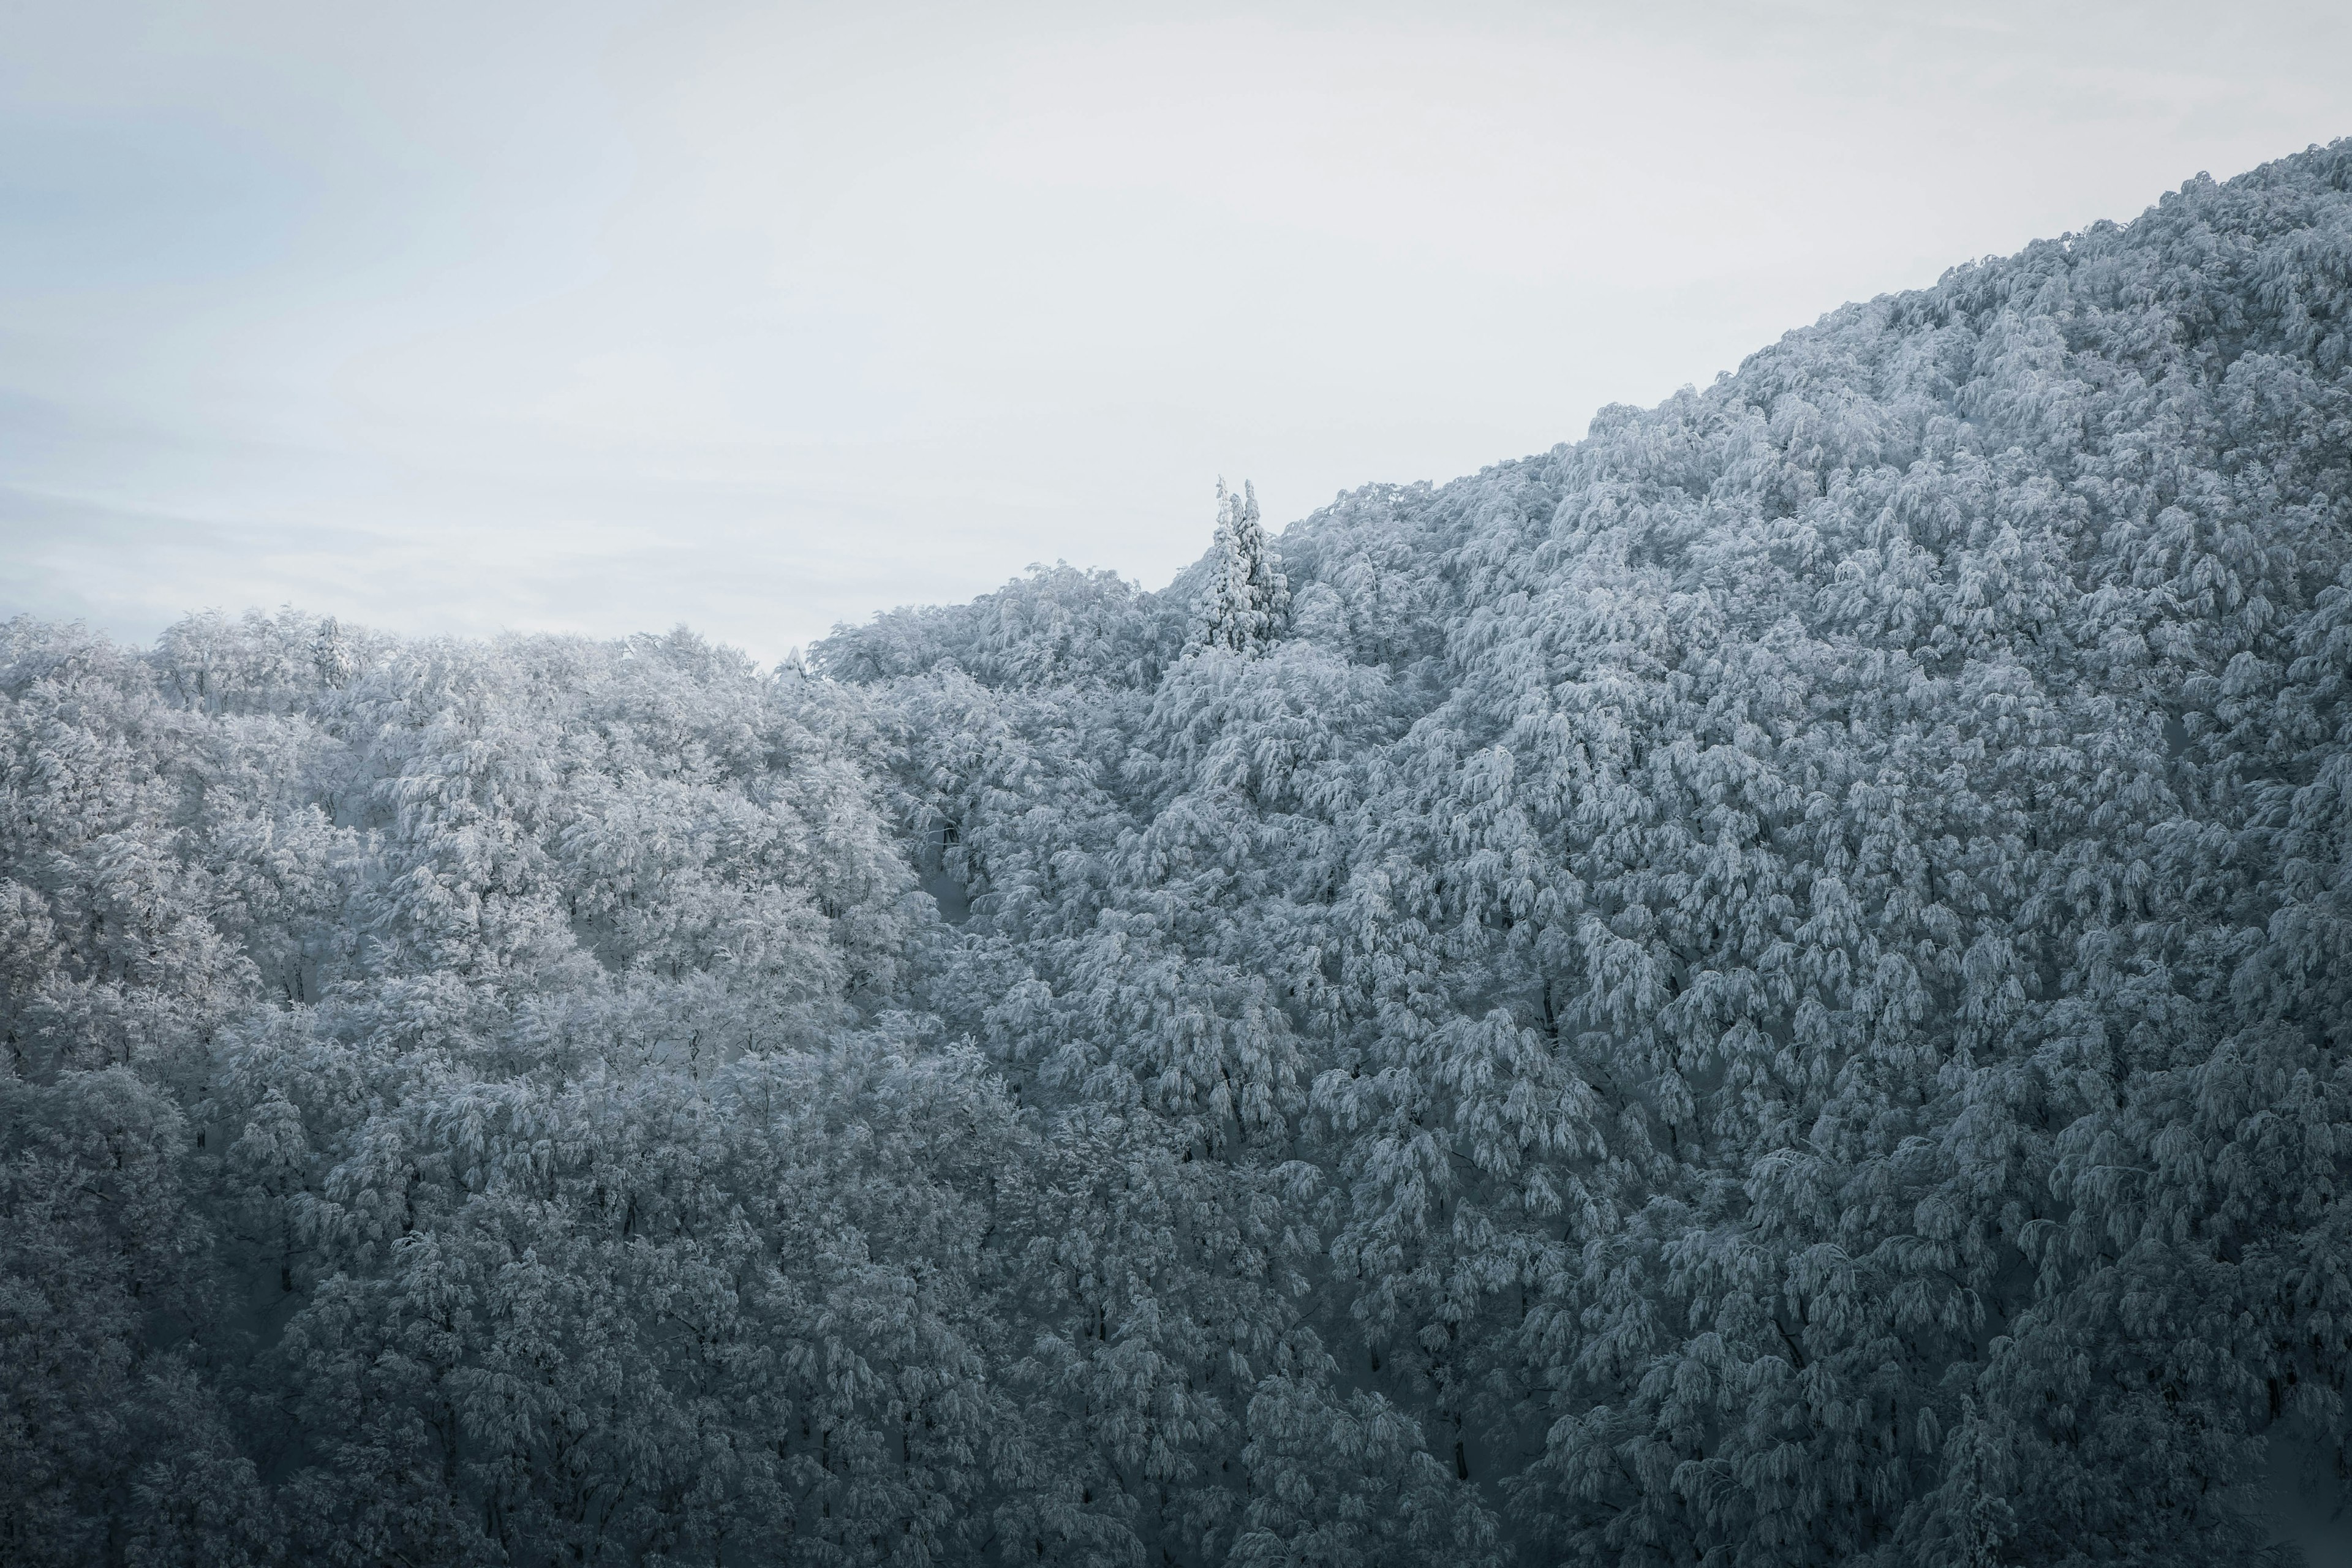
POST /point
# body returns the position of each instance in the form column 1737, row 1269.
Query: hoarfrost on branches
column 1767, row 987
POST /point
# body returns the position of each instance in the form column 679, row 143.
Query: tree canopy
column 1769, row 986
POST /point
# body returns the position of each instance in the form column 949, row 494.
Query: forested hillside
column 1771, row 986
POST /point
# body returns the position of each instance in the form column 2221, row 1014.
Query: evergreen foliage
column 1243, row 608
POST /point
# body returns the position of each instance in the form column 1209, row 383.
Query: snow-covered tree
column 1246, row 601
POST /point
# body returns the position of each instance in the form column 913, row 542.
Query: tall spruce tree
column 1247, row 601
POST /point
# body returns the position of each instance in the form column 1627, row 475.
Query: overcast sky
column 611, row 314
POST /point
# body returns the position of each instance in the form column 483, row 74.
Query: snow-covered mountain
column 1771, row 986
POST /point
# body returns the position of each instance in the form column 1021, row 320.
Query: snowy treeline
column 1769, row 987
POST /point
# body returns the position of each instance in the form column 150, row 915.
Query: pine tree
column 1247, row 601
column 330, row 652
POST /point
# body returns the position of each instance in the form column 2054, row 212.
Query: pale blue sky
column 611, row 314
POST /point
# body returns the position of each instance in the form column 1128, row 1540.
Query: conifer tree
column 330, row 652
column 1247, row 601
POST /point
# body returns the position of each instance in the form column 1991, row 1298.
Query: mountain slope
column 1771, row 986
column 1810, row 918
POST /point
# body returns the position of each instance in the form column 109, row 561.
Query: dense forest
column 1769, row 986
